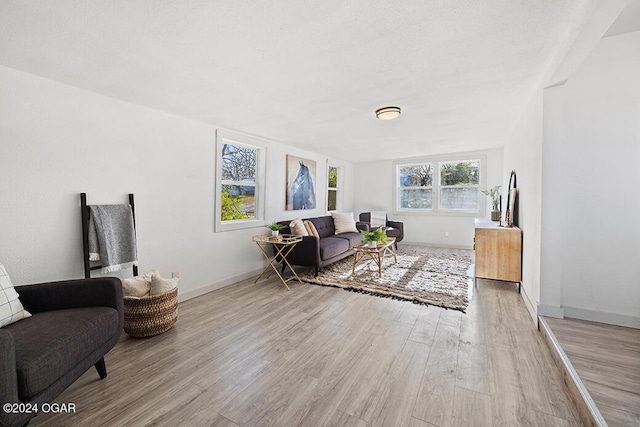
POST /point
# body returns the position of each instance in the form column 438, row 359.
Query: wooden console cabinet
column 498, row 252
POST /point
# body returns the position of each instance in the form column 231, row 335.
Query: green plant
column 231, row 208
column 494, row 193
column 378, row 235
column 274, row 226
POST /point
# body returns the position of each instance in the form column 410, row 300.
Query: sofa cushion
column 332, row 246
column 11, row 309
column 311, row 229
column 50, row 344
column 324, row 225
column 354, row 239
column 344, row 222
column 297, row 228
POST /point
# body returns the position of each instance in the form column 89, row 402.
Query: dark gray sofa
column 73, row 325
column 330, row 247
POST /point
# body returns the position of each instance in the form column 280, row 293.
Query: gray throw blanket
column 112, row 238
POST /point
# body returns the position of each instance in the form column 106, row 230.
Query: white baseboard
column 527, row 302
column 184, row 296
column 590, row 315
column 550, row 311
column 435, row 245
column 602, row 317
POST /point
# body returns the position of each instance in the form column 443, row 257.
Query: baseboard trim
column 193, row 293
column 587, row 409
column 602, row 317
column 436, row 245
column 531, row 308
column 550, row 311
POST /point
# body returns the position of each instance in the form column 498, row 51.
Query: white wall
column 373, row 190
column 591, row 238
column 522, row 154
column 57, row 141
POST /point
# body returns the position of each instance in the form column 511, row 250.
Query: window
column 240, row 182
column 438, row 185
column 332, row 188
column 460, row 186
column 415, row 186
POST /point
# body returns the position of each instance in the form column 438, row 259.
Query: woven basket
column 152, row 315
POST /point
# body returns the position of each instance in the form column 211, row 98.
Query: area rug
column 421, row 275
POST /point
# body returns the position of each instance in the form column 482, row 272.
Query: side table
column 282, row 245
column 377, row 254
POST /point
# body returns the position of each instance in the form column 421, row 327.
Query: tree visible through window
column 438, row 185
column 332, row 189
column 238, row 182
column 415, row 186
column 460, row 185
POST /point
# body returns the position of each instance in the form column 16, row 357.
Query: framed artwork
column 512, row 206
column 512, row 192
column 301, row 178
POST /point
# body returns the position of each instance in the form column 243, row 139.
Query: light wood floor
column 607, row 359
column 257, row 355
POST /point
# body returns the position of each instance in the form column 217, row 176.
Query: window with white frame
column 438, row 185
column 333, row 173
column 460, row 186
column 240, row 181
column 415, row 186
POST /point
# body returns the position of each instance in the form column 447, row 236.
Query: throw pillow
column 378, row 219
column 160, row 285
column 311, row 229
column 344, row 222
column 11, row 309
column 148, row 275
column 297, row 228
column 136, row 286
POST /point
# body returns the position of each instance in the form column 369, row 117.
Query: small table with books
column 282, row 245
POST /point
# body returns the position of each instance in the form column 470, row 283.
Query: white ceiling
column 307, row 73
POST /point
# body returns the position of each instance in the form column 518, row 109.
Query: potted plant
column 371, row 238
column 494, row 193
column 275, row 228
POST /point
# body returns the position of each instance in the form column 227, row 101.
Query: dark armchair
column 394, row 228
column 73, row 325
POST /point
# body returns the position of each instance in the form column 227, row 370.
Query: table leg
column 355, row 261
column 393, row 251
column 280, row 251
column 284, row 259
column 266, row 269
column 380, row 256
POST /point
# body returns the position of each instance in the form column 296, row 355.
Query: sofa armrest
column 102, row 291
column 399, row 225
column 363, row 226
column 8, row 374
column 396, row 224
column 306, row 253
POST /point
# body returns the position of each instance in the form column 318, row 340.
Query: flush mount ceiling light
column 388, row 113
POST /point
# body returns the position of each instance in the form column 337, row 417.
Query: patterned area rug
column 421, row 275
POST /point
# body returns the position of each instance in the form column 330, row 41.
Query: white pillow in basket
column 11, row 309
column 160, row 285
column 137, row 286
column 344, row 222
